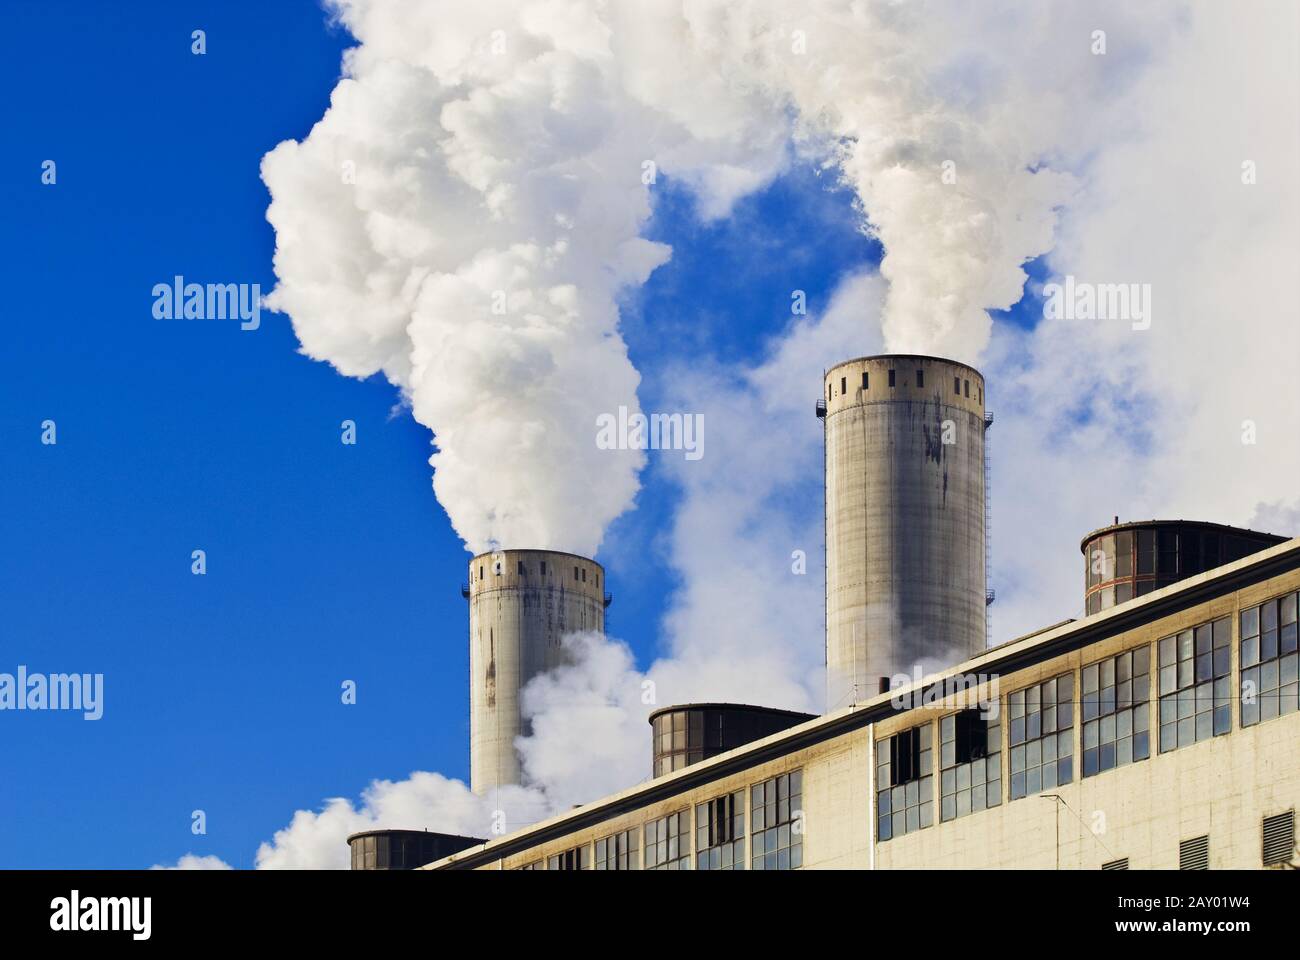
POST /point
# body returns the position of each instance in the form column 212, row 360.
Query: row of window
column 1193, row 701
column 716, row 852
column 1132, row 563
column 1165, row 552
column 579, row 573
column 960, row 387
column 775, row 837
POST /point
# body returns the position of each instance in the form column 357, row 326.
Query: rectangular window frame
column 1115, row 733
column 1040, row 735
column 776, row 823
column 908, row 806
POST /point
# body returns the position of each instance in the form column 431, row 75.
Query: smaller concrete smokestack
column 522, row 603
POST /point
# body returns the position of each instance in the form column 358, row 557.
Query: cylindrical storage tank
column 403, row 849
column 522, row 604
column 1128, row 560
column 905, row 561
column 693, row 732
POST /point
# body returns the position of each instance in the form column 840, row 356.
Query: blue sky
column 325, row 562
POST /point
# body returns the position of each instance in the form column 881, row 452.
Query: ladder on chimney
column 989, row 595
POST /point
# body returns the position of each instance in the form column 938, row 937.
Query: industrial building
column 1159, row 731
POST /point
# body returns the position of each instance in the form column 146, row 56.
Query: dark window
column 575, row 573
column 1167, row 560
column 584, row 574
column 1279, row 838
column 1194, row 854
column 1269, row 682
column 830, row 392
column 668, row 842
column 905, row 756
column 1124, row 553
column 720, row 833
column 1121, row 864
column 1042, row 736
column 1146, row 553
column 1190, row 551
column 956, row 385
column 970, row 761
column 891, row 378
column 480, row 572
column 865, row 381
column 543, row 567
column 521, row 568
column 619, row 852
column 579, row 858
column 981, row 396
column 966, row 384
column 1212, row 550
column 1116, row 721
column 844, row 385
column 904, row 800
column 920, row 379
column 1195, row 689
column 776, row 805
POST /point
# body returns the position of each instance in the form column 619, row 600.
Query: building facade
column 1159, row 733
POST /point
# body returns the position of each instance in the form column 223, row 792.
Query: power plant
column 522, row 604
column 1173, row 704
column 905, row 530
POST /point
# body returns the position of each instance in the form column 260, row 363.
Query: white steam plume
column 462, row 220
column 465, row 215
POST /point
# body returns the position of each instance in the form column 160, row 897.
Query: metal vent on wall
column 1121, row 864
column 1279, row 838
column 1194, row 854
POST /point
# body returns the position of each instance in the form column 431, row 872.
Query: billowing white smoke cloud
column 466, row 213
column 462, row 220
column 483, row 167
column 317, row 840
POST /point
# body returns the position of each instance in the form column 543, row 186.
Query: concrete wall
column 905, row 578
column 1222, row 787
column 516, row 625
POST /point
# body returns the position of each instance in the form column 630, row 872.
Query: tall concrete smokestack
column 905, row 537
column 522, row 603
